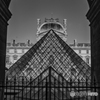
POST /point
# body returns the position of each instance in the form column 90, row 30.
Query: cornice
column 5, row 14
column 93, row 12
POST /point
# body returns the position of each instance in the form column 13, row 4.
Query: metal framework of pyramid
column 50, row 63
column 51, row 50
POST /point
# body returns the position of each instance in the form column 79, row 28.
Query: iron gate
column 49, row 85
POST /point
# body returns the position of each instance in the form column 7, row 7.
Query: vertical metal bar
column 54, row 89
column 66, row 90
column 70, row 85
column 19, row 81
column 6, row 85
column 10, row 87
column 42, row 90
column 78, row 88
column 27, row 88
column 38, row 88
column 62, row 88
column 34, row 90
column 58, row 87
column 46, row 90
column 50, row 83
column 14, row 87
column 22, row 87
column 30, row 86
column 86, row 86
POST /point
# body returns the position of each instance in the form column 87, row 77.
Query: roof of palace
column 51, row 25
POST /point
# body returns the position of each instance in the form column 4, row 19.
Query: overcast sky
column 23, row 23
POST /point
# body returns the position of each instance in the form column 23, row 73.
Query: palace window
column 87, row 60
column 87, row 51
column 15, row 57
column 83, row 51
column 7, row 59
column 19, row 50
column 11, row 50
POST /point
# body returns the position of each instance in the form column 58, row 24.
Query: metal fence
column 49, row 89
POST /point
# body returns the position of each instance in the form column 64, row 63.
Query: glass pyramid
column 51, row 70
column 50, row 50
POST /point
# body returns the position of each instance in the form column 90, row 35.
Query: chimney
column 28, row 42
column 13, row 43
column 38, row 23
column 75, row 42
column 65, row 24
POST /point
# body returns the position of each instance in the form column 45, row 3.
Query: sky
column 23, row 23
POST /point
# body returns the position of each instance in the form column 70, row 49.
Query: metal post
column 54, row 88
column 46, row 89
column 50, row 83
column 30, row 86
column 14, row 87
column 38, row 88
column 22, row 86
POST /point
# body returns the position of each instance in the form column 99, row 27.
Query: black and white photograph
column 50, row 50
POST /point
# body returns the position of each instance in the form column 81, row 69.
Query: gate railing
column 20, row 90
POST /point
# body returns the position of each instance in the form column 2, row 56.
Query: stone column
column 93, row 16
column 4, row 17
